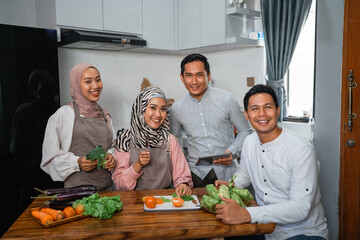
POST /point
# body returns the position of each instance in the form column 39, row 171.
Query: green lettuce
column 102, row 208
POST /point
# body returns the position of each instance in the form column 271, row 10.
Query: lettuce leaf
column 102, row 208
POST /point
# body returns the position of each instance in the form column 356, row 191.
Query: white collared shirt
column 284, row 174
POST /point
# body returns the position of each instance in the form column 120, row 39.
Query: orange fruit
column 150, row 202
column 79, row 209
column 69, row 212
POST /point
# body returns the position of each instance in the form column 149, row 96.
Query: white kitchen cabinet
column 212, row 22
column 123, row 16
column 188, row 23
column 80, row 13
column 200, row 23
column 159, row 24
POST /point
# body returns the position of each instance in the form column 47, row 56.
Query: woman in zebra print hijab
column 143, row 135
column 149, row 157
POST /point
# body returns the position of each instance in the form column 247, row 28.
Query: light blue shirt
column 208, row 125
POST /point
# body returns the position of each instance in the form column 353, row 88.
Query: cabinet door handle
column 351, row 115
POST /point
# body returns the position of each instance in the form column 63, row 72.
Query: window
column 300, row 77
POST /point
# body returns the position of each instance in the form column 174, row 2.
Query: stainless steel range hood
column 99, row 41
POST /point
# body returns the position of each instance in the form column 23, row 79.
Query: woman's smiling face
column 155, row 112
column 91, row 84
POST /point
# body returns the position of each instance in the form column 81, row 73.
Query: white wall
column 327, row 105
column 122, row 74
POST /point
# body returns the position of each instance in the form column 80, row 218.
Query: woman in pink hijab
column 77, row 128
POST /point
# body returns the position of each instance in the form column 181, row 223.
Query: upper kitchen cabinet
column 212, row 22
column 188, row 23
column 216, row 25
column 159, row 24
column 123, row 16
column 80, row 13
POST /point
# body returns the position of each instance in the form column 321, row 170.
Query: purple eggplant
column 67, row 196
column 50, row 192
column 73, row 195
column 60, row 205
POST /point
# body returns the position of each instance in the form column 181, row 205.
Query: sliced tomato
column 150, row 202
column 177, row 202
column 159, row 201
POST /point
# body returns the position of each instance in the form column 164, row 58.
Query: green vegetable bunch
column 210, row 201
column 102, row 208
column 99, row 154
column 184, row 197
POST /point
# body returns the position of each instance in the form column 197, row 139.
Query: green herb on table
column 165, row 199
column 184, row 197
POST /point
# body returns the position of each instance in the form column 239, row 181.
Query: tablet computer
column 211, row 158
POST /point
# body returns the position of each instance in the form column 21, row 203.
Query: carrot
column 69, row 212
column 56, row 214
column 43, row 217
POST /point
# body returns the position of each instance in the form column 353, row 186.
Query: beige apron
column 87, row 134
column 158, row 173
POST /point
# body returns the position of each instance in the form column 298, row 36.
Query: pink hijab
column 88, row 108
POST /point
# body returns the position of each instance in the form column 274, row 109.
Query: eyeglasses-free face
column 263, row 114
column 195, row 79
column 91, row 84
column 155, row 112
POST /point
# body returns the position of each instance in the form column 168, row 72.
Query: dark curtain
column 282, row 22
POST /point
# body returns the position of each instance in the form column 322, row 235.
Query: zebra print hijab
column 143, row 135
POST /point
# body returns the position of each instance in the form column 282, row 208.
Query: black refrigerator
column 29, row 95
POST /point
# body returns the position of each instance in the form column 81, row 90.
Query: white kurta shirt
column 284, row 174
column 57, row 161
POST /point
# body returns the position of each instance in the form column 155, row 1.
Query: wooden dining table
column 132, row 222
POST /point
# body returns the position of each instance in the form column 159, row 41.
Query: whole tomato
column 150, row 202
column 177, row 202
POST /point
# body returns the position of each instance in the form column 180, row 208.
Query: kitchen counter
column 133, row 223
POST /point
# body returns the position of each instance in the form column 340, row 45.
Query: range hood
column 99, row 41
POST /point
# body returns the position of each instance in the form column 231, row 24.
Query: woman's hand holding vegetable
column 86, row 165
column 110, row 161
column 144, row 158
column 183, row 189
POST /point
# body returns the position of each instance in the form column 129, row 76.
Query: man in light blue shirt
column 207, row 116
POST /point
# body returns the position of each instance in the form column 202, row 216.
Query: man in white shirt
column 283, row 169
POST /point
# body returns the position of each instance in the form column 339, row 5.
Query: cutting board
column 168, row 206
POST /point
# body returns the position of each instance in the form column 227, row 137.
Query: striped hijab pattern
column 143, row 135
